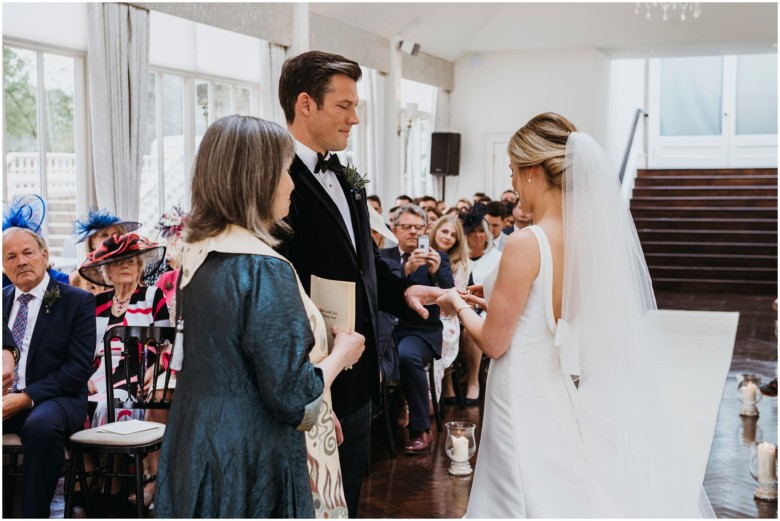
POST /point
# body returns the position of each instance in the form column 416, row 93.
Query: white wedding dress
column 608, row 447
column 530, row 439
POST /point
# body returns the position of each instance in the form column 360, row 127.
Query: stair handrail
column 639, row 113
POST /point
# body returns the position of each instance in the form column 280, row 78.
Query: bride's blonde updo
column 542, row 141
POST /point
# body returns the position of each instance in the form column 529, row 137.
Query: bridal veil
column 611, row 346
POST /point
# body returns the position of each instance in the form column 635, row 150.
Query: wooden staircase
column 709, row 231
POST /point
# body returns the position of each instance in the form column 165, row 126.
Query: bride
column 574, row 425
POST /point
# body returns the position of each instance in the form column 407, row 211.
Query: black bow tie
column 332, row 163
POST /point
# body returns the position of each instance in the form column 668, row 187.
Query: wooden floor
column 420, row 487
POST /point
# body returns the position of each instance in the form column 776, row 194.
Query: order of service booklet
column 336, row 301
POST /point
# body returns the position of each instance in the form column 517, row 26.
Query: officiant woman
column 247, row 393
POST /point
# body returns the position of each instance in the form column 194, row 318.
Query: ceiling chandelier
column 693, row 7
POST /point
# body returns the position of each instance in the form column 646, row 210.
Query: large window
column 418, row 103
column 713, row 112
column 181, row 107
column 43, row 121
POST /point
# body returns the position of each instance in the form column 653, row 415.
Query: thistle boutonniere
column 50, row 297
column 355, row 181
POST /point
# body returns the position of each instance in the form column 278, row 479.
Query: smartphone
column 423, row 243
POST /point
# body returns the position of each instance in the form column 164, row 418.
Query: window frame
column 189, row 116
column 81, row 123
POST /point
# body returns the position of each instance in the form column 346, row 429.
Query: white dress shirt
column 33, row 308
column 329, row 182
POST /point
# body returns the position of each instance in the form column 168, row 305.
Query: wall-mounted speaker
column 445, row 153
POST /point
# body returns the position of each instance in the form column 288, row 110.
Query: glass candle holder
column 749, row 430
column 748, row 392
column 460, row 446
column 763, row 468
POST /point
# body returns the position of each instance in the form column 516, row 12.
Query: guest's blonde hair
column 459, row 253
column 237, row 173
column 542, row 141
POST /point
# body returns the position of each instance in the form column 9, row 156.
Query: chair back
column 141, row 348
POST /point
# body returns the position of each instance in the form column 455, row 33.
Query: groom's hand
column 418, row 296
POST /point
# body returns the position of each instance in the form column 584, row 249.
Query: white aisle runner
column 700, row 345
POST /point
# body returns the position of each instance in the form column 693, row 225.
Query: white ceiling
column 453, row 30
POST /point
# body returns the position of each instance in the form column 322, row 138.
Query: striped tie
column 20, row 326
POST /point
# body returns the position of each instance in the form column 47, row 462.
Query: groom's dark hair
column 310, row 72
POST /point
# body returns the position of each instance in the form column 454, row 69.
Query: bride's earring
column 529, row 179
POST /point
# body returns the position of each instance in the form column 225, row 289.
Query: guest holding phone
column 419, row 340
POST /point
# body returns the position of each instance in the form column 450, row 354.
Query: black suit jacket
column 62, row 349
column 320, row 245
column 428, row 329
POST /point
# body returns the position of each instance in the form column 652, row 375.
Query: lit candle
column 749, row 393
column 767, row 455
column 460, row 448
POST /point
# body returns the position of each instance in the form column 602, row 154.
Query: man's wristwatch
column 14, row 351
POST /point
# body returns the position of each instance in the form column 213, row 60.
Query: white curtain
column 118, row 63
column 273, row 56
column 441, row 118
column 374, row 123
column 417, row 161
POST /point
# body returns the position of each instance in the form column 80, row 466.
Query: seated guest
column 447, row 237
column 402, row 200
column 427, row 202
column 463, row 205
column 495, row 216
column 27, row 211
column 92, row 230
column 510, row 195
column 250, row 397
column 509, row 220
column 419, row 340
column 119, row 263
column 53, row 326
column 483, row 259
column 375, row 202
column 522, row 218
column 433, row 215
column 171, row 226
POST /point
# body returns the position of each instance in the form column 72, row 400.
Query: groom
column 331, row 236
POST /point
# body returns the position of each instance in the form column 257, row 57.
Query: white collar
column 233, row 239
column 37, row 291
column 308, row 156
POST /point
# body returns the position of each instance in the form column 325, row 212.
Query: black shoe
column 769, row 389
column 449, row 400
column 471, row 401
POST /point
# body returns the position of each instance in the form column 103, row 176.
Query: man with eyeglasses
column 419, row 340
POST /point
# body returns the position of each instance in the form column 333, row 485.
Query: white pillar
column 300, row 42
column 393, row 170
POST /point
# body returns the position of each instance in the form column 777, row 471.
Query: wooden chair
column 138, row 444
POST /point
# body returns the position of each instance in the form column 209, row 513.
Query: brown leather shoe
column 419, row 445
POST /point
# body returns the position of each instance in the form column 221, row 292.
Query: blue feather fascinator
column 97, row 220
column 25, row 211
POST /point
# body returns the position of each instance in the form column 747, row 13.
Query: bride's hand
column 475, row 301
column 450, row 301
column 476, row 290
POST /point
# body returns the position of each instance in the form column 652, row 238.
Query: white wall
column 60, row 25
column 626, row 94
column 508, row 89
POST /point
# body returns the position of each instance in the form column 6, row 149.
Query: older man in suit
column 331, row 235
column 419, row 340
column 53, row 326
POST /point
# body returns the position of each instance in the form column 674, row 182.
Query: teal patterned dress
column 232, row 448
